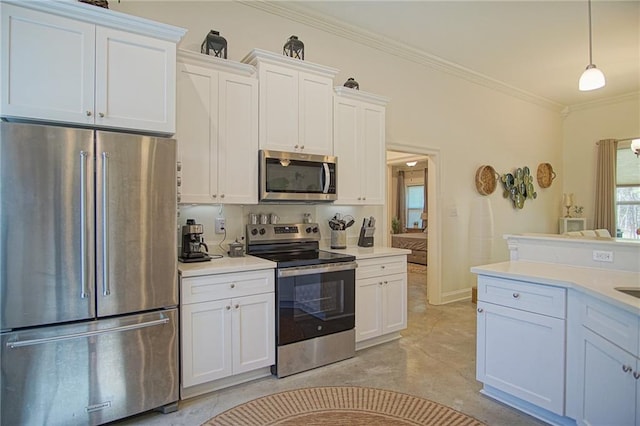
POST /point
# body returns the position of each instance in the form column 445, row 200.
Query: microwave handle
column 327, row 178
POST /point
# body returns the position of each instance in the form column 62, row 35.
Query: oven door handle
column 316, row 269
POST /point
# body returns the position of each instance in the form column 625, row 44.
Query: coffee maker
column 192, row 243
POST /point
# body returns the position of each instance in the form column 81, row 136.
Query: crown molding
column 104, row 17
column 219, row 64
column 258, row 56
column 357, row 95
column 367, row 38
column 631, row 96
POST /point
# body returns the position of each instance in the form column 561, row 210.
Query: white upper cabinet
column 74, row 63
column 359, row 144
column 217, row 130
column 295, row 103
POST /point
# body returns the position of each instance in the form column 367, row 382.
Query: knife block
column 366, row 236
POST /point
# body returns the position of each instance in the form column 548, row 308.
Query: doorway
column 429, row 158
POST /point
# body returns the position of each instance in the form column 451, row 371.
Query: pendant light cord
column 590, row 47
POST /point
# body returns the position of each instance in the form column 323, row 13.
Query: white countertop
column 250, row 263
column 369, row 252
column 596, row 282
column 224, row 265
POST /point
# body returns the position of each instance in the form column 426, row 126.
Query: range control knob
column 308, row 229
column 262, row 231
column 315, row 229
column 254, row 231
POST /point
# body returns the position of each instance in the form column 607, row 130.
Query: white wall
column 470, row 125
column 583, row 127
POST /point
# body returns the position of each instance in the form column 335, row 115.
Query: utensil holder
column 338, row 239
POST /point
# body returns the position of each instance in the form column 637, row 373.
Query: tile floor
column 435, row 359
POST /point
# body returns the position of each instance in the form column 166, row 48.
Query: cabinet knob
column 516, row 295
column 636, row 375
column 359, row 198
column 233, row 285
column 364, row 198
column 386, row 282
column 237, row 306
column 382, row 266
column 380, row 283
column 88, row 113
column 228, row 307
column 480, row 310
column 101, row 114
column 179, row 166
column 296, row 147
column 626, row 368
column 222, row 196
column 179, row 181
column 301, row 146
column 214, row 195
column 179, row 198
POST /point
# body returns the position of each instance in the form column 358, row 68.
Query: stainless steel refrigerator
column 88, row 282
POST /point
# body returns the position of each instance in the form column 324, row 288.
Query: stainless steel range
column 315, row 296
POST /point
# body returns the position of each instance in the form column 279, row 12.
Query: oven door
column 314, row 301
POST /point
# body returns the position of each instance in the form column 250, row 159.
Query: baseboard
column 226, row 382
column 456, row 296
column 377, row 340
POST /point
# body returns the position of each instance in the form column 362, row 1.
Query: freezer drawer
column 89, row 373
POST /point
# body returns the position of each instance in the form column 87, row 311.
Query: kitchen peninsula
column 557, row 338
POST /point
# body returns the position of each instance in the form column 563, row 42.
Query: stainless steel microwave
column 294, row 176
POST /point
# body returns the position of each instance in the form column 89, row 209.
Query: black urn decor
column 352, row 83
column 215, row 45
column 294, row 48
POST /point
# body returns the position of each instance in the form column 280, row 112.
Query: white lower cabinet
column 521, row 342
column 381, row 299
column 605, row 366
column 227, row 328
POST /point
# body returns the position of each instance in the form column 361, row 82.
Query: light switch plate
column 603, row 256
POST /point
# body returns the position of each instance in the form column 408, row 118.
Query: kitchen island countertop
column 600, row 283
column 224, row 265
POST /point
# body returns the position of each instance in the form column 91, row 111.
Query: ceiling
column 538, row 47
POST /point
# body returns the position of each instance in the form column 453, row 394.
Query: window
column 627, row 193
column 415, row 204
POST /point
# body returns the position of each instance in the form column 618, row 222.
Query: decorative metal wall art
column 518, row 186
column 215, row 45
column 294, row 48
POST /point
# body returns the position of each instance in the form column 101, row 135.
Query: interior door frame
column 434, row 245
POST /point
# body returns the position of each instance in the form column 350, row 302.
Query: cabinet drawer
column 614, row 324
column 223, row 286
column 378, row 266
column 536, row 298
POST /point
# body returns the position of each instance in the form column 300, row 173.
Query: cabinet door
column 197, row 132
column 394, row 303
column 278, row 108
column 346, row 133
column 521, row 353
column 206, row 342
column 253, row 332
column 315, row 114
column 368, row 308
column 135, row 81
column 238, row 139
column 372, row 148
column 28, row 68
column 609, row 392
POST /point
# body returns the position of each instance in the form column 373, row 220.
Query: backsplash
column 237, row 217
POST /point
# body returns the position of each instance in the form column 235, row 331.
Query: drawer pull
column 380, row 283
column 233, row 285
column 237, row 306
column 382, row 266
column 636, row 375
column 228, row 307
column 516, row 295
column 480, row 310
column 626, row 368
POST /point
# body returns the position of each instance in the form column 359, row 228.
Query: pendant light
column 592, row 78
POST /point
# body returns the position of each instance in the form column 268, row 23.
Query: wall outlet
column 220, row 226
column 603, row 256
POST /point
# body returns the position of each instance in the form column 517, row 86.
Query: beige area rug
column 324, row 406
column 416, row 267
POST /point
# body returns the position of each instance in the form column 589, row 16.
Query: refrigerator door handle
column 32, row 342
column 84, row 292
column 106, row 288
